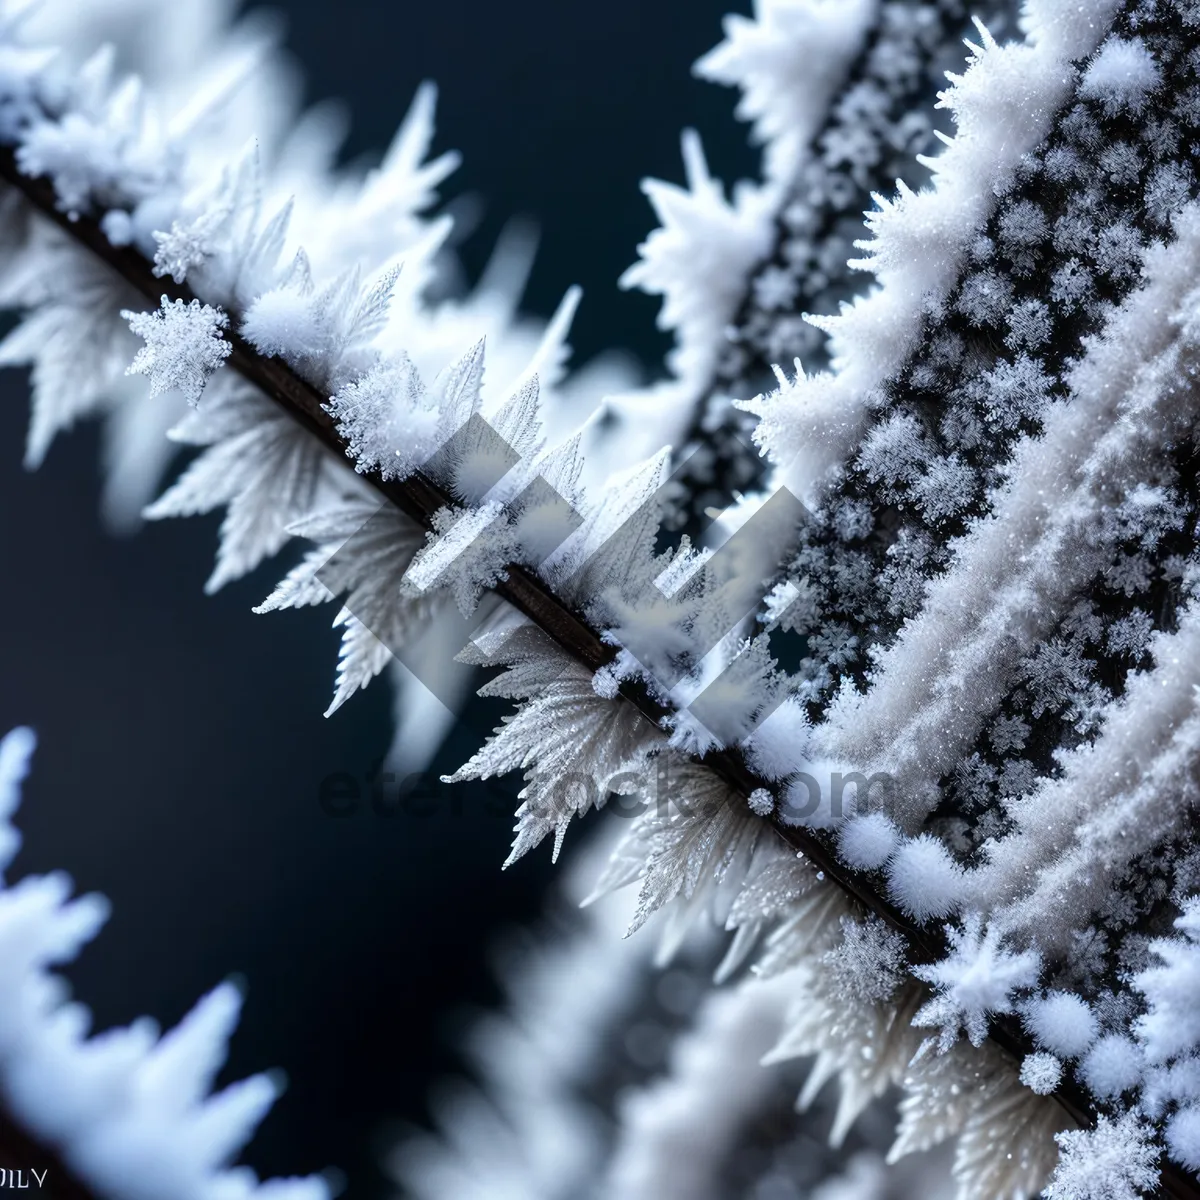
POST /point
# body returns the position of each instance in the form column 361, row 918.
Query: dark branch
column 420, row 498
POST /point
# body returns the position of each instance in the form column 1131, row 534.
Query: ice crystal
column 1062, row 1023
column 978, row 977
column 1114, row 1161
column 184, row 346
column 869, row 963
column 1041, row 1073
column 963, row 571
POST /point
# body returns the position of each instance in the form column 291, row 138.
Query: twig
column 420, row 498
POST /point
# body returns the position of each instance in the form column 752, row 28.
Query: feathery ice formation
column 967, row 568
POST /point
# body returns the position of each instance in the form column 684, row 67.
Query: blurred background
column 182, row 744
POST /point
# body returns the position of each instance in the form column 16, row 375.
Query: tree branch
column 420, row 498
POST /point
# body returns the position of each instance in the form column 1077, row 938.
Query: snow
column 1021, row 565
column 184, row 346
column 1041, row 1073
column 1149, row 736
column 16, row 750
column 1061, row 1023
column 697, row 846
column 264, row 467
column 866, row 842
column 1171, row 1026
column 129, row 1112
column 788, row 61
column 1002, row 106
column 1183, row 1138
column 1122, row 75
column 76, row 342
column 817, row 796
column 868, row 965
column 153, row 164
column 1042, row 485
column 180, row 248
column 613, row 742
column 761, row 802
column 283, row 322
column 699, row 258
column 1117, row 1160
column 102, row 153
column 776, row 746
column 466, row 553
column 387, row 420
column 924, row 880
column 1028, row 325
column 977, row 978
column 1112, row 1066
column 1067, row 27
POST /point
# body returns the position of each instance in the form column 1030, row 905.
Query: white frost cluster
column 1002, row 106
column 978, row 977
column 867, row 842
column 924, row 879
column 788, row 62
column 1171, row 1026
column 1122, row 75
column 1062, row 1023
column 1114, row 1161
column 201, row 164
column 184, row 346
column 1041, row 1073
column 1112, row 1066
column 993, row 583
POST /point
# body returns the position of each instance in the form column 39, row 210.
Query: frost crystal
column 386, row 418
column 867, row 842
column 924, row 879
column 1062, row 1023
column 1112, row 1066
column 131, row 1113
column 1171, row 1027
column 761, row 802
column 1115, row 1161
column 978, row 978
column 775, row 746
column 184, row 346
column 187, row 245
column 1122, row 75
column 966, row 562
column 869, row 964
column 1041, row 1073
column 1183, row 1138
column 283, row 322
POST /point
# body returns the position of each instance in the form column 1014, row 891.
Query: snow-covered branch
column 986, row 610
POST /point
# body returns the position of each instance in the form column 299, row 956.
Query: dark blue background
column 182, row 739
